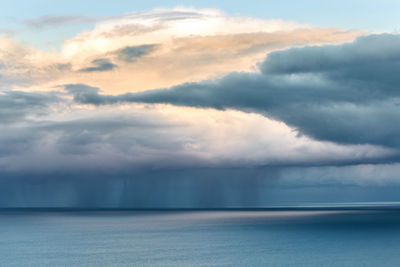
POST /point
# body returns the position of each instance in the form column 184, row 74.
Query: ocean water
column 200, row 238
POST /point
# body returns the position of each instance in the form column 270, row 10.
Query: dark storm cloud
column 345, row 93
column 366, row 50
column 100, row 64
column 132, row 53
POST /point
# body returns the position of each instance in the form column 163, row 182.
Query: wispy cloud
column 52, row 21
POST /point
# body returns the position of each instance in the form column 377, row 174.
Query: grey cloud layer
column 46, row 132
column 16, row 105
column 345, row 93
column 34, row 133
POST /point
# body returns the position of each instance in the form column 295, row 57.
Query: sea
column 317, row 236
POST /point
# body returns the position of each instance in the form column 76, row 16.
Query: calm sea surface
column 200, row 238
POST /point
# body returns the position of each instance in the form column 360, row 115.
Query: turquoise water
column 200, row 238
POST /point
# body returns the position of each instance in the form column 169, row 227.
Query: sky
column 198, row 105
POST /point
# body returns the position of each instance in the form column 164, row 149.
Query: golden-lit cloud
column 162, row 47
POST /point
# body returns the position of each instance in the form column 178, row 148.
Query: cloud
column 355, row 59
column 345, row 94
column 7, row 32
column 174, row 46
column 191, row 45
column 18, row 105
column 360, row 174
column 58, row 21
column 49, row 128
column 131, row 53
column 315, row 115
column 100, row 64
